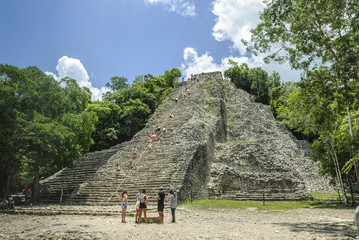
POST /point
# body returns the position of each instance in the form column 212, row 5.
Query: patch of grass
column 324, row 196
column 321, row 200
column 231, row 204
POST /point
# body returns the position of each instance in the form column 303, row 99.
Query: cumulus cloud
column 52, row 75
column 73, row 68
column 234, row 21
column 185, row 8
column 205, row 63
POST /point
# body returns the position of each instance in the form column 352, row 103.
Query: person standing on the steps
column 143, row 206
column 131, row 164
column 160, row 203
column 118, row 169
column 134, row 151
column 137, row 205
column 173, row 205
column 150, row 146
column 157, row 130
column 124, row 205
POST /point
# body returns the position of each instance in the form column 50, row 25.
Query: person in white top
column 118, row 169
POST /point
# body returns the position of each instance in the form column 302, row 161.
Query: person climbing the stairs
column 157, row 130
column 150, row 146
column 134, row 151
column 132, row 164
column 118, row 170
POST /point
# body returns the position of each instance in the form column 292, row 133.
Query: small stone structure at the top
column 220, row 144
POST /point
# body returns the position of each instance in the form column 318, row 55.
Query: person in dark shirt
column 160, row 203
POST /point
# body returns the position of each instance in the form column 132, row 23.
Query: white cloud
column 235, row 19
column 73, row 68
column 197, row 64
column 185, row 8
column 205, row 63
column 53, row 75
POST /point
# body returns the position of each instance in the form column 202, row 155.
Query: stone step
column 111, row 210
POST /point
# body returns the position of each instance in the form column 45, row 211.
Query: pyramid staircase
column 61, row 185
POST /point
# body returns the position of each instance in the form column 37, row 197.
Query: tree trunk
column 7, row 188
column 35, row 195
column 351, row 190
column 3, row 190
column 351, row 141
column 337, row 169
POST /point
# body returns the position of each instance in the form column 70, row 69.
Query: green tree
column 117, row 83
column 239, row 75
column 108, row 128
column 43, row 141
column 14, row 86
column 253, row 80
column 309, row 34
column 259, row 85
column 314, row 108
column 44, row 126
column 276, row 90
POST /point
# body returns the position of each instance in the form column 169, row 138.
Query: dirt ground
column 191, row 224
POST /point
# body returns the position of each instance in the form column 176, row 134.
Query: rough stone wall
column 260, row 156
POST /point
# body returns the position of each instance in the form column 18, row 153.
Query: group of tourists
column 7, row 204
column 141, row 205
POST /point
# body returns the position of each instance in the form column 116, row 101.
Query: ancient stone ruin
column 221, row 144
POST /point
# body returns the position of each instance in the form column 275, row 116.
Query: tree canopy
column 321, row 38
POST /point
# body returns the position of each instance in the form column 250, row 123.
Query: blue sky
column 94, row 40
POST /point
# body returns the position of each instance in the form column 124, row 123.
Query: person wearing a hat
column 160, row 203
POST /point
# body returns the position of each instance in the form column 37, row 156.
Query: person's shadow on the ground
column 334, row 229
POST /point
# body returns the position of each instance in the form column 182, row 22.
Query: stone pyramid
column 221, row 144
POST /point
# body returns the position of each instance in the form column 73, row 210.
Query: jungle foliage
column 46, row 124
column 320, row 38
